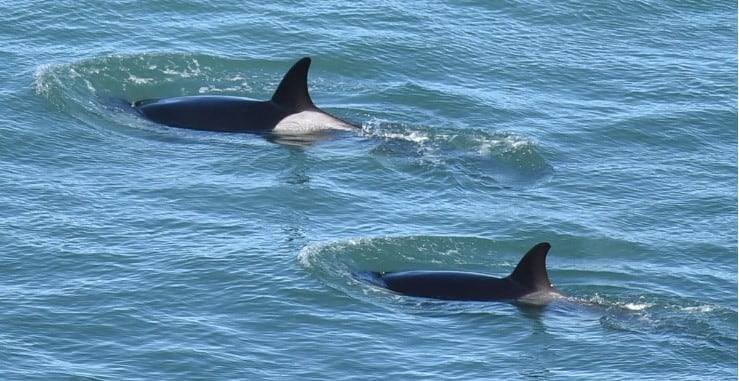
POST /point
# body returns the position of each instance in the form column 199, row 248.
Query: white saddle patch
column 308, row 122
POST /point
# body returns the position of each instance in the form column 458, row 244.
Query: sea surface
column 134, row 251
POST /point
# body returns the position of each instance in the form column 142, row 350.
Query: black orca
column 290, row 111
column 529, row 282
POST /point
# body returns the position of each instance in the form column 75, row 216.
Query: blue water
column 133, row 251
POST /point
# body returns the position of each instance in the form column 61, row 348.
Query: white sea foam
column 702, row 308
column 41, row 79
column 636, row 306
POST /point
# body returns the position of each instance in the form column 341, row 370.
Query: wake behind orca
column 528, row 283
column 290, row 111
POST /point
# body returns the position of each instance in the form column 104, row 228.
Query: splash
column 495, row 157
column 138, row 76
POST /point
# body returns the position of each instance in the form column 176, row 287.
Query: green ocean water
column 133, row 251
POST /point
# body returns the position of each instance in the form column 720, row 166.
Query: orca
column 290, row 111
column 528, row 283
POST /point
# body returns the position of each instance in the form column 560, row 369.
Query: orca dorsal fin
column 293, row 89
column 531, row 271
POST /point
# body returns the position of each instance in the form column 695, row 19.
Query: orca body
column 528, row 283
column 290, row 111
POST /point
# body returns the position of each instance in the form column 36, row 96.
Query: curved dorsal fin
column 531, row 271
column 293, row 89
